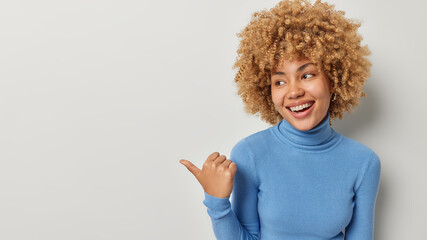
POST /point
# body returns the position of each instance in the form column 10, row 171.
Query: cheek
column 275, row 97
column 319, row 90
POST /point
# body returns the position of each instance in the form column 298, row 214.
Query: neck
column 318, row 138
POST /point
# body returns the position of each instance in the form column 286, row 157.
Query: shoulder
column 365, row 160
column 357, row 148
column 259, row 136
column 251, row 143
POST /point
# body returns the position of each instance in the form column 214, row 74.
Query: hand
column 216, row 176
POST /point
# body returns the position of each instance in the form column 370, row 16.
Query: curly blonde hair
column 295, row 29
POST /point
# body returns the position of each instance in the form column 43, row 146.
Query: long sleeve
column 239, row 220
column 361, row 226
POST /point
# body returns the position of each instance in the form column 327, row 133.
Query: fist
column 216, row 176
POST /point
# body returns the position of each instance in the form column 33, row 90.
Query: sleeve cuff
column 217, row 207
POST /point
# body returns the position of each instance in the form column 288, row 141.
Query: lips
column 302, row 114
column 297, row 103
column 296, row 106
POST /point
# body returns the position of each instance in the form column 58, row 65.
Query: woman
column 299, row 66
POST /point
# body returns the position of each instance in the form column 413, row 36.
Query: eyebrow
column 298, row 70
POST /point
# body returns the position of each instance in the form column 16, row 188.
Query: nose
column 295, row 90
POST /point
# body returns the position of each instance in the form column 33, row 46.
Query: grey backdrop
column 100, row 99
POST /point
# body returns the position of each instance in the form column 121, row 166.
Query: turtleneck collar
column 320, row 138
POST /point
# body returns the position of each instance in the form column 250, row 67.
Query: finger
column 220, row 160
column 233, row 166
column 212, row 157
column 190, row 166
column 226, row 163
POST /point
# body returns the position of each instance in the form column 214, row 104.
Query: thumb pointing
column 193, row 169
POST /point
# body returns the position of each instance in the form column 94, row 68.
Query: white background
column 99, row 100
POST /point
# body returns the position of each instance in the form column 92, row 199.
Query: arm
column 361, row 226
column 238, row 221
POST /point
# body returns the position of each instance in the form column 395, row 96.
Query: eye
column 277, row 83
column 308, row 75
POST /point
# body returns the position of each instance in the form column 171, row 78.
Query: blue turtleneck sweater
column 299, row 185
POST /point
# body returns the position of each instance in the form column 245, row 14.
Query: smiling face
column 301, row 93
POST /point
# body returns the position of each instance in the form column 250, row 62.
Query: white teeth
column 300, row 107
